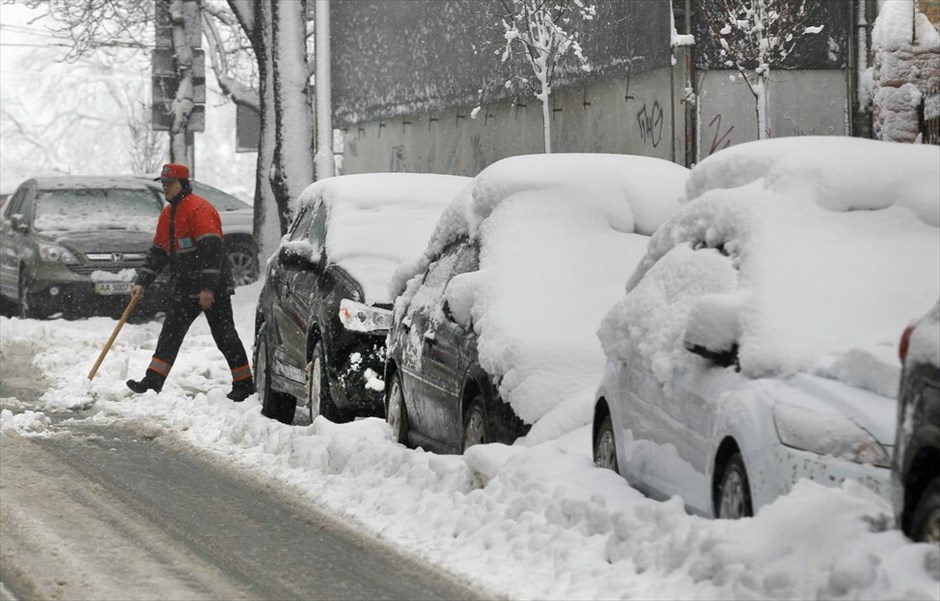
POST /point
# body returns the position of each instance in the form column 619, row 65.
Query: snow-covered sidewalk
column 520, row 522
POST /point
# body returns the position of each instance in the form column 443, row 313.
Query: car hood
column 873, row 412
column 105, row 241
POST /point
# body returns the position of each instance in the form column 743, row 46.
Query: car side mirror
column 295, row 260
column 448, row 313
column 18, row 223
column 713, row 328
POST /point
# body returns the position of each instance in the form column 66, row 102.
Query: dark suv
column 916, row 469
column 324, row 310
column 72, row 245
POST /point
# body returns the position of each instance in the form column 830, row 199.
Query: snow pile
column 558, row 235
column 826, row 248
column 518, row 522
column 374, row 221
column 906, row 49
column 27, row 423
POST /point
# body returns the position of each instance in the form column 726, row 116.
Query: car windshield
column 95, row 209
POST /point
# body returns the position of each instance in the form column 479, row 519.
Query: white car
column 755, row 344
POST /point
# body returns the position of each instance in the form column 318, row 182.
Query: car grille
column 113, row 262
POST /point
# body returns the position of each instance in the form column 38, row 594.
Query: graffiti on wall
column 721, row 138
column 650, row 120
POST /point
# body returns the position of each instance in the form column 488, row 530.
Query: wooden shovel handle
column 120, row 324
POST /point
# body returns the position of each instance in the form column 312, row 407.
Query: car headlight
column 55, row 253
column 827, row 435
column 363, row 318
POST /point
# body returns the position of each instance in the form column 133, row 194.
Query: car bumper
column 779, row 468
column 61, row 290
column 358, row 366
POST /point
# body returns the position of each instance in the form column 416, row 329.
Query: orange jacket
column 189, row 240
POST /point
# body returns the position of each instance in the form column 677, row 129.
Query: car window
column 301, row 226
column 95, row 209
column 468, row 259
column 222, row 201
column 318, row 228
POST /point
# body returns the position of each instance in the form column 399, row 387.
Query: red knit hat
column 173, row 171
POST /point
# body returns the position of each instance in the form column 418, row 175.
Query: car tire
column 395, row 412
column 925, row 520
column 319, row 400
column 605, row 446
column 26, row 302
column 243, row 262
column 276, row 405
column 734, row 491
column 476, row 429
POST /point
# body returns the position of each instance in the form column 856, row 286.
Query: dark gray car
column 72, row 245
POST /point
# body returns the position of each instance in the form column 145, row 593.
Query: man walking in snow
column 189, row 241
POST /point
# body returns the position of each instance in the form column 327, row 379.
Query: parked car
column 493, row 332
column 749, row 349
column 916, row 468
column 72, row 245
column 323, row 313
column 237, row 226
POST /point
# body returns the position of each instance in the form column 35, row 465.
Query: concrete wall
column 626, row 116
column 801, row 103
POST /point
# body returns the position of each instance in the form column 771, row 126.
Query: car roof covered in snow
column 73, row 182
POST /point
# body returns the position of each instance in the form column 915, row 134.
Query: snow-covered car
column 71, row 244
column 493, row 328
column 324, row 311
column 237, row 219
column 916, row 468
column 755, row 343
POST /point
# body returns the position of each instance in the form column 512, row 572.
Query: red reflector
column 905, row 343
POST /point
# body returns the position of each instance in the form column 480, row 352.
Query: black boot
column 152, row 381
column 241, row 390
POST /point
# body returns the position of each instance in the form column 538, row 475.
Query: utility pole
column 323, row 159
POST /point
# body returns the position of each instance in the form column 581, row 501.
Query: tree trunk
column 183, row 104
column 292, row 169
column 760, row 101
column 547, row 123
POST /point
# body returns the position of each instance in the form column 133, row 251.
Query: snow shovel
column 117, row 328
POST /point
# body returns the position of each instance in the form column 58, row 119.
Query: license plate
column 113, row 287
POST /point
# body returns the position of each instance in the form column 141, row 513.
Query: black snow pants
column 181, row 314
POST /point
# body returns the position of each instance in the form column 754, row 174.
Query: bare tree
column 545, row 33
column 755, row 34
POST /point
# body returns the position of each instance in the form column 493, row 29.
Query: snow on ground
column 536, row 522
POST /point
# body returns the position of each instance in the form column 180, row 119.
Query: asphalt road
column 97, row 512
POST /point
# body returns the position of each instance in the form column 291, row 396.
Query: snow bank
column 559, row 234
column 517, row 522
column 833, row 243
column 374, row 221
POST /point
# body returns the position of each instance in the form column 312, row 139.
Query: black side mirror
column 722, row 358
column 18, row 223
column 447, row 311
column 296, row 260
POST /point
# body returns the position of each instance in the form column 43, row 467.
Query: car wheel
column 734, row 492
column 319, row 400
column 26, row 304
column 475, row 427
column 275, row 405
column 243, row 263
column 605, row 449
column 395, row 413
column 925, row 521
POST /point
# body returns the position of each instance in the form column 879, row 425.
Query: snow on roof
column 836, row 249
column 559, row 234
column 840, row 173
column 376, row 220
column 925, row 339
